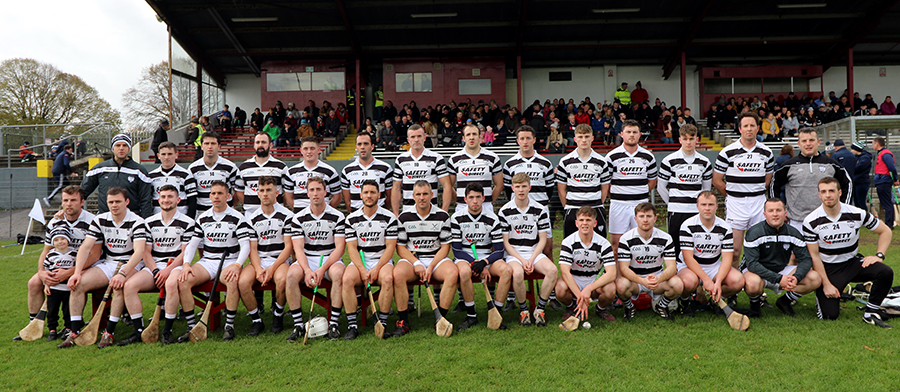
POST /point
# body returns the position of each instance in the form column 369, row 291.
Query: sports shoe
column 410, row 307
column 755, row 309
column 46, row 202
column 185, row 338
column 402, row 329
column 333, row 332
column 277, row 324
column 468, row 322
column 52, row 336
column 606, row 315
column 663, row 311
column 134, row 338
column 256, row 328
column 106, row 340
column 296, row 333
column 17, row 338
column 460, row 307
column 352, row 333
column 167, row 338
column 629, row 312
column 69, row 342
column 685, row 306
column 65, row 334
column 555, row 305
column 539, row 319
column 876, row 318
column 785, row 305
column 228, row 334
column 525, row 318
column 510, row 305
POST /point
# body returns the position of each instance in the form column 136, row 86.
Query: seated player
column 768, row 247
column 270, row 254
column 587, row 267
column 61, row 257
column 317, row 232
column 222, row 231
column 647, row 264
column 524, row 224
column 480, row 227
column 707, row 246
column 423, row 243
column 372, row 230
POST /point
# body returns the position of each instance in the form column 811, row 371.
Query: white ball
column 586, row 325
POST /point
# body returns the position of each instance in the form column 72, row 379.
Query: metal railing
column 862, row 128
column 98, row 136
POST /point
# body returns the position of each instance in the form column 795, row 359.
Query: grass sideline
column 701, row 353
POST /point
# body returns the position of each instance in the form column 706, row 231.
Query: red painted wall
column 445, row 81
column 300, row 98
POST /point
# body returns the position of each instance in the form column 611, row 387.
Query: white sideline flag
column 37, row 213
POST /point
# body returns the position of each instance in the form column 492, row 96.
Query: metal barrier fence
column 42, row 137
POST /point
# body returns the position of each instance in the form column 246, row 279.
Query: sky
column 105, row 42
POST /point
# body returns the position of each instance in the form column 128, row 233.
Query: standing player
column 221, row 230
column 365, row 167
column 539, row 170
column 582, row 179
column 317, row 232
column 587, row 267
column 832, row 235
column 480, row 227
column 742, row 172
column 474, row 164
column 270, row 253
column 419, row 163
column 423, row 243
column 123, row 235
column 252, row 169
column 372, row 230
column 209, row 169
column 647, row 264
column 295, row 186
column 706, row 247
column 770, row 247
column 633, row 177
column 525, row 223
column 683, row 174
column 172, row 173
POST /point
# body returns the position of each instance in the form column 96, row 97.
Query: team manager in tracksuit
column 124, row 172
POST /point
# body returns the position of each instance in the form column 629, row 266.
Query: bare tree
column 147, row 102
column 32, row 92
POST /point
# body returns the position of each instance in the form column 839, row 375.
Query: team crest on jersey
column 822, row 169
column 130, row 178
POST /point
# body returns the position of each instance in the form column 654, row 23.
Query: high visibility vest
column 379, row 99
column 351, row 98
column 199, row 135
column 624, row 96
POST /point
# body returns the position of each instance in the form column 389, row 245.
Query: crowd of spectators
column 287, row 125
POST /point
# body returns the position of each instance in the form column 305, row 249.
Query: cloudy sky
column 105, row 42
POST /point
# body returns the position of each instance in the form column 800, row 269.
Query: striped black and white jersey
column 223, row 170
column 371, row 232
column 646, row 256
column 630, row 174
column 353, row 175
column 178, row 177
column 583, row 179
column 707, row 245
column 424, row 236
column 296, row 182
column 539, row 170
column 60, row 260
column 683, row 178
column 430, row 166
column 78, row 228
column 168, row 237
column 478, row 169
column 318, row 232
column 589, row 259
column 482, row 230
column 118, row 239
column 838, row 238
column 247, row 180
column 745, row 169
column 220, row 231
column 524, row 225
column 269, row 231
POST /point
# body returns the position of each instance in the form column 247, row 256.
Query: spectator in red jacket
column 887, row 107
column 639, row 95
column 582, row 118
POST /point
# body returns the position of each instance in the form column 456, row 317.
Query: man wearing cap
column 843, row 156
column 623, row 95
column 860, row 174
column 123, row 172
column 159, row 137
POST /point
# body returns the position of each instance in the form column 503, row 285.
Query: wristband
column 122, row 273
column 155, row 272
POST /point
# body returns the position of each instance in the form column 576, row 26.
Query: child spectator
column 489, row 137
column 61, row 257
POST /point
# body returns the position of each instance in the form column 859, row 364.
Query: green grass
column 649, row 353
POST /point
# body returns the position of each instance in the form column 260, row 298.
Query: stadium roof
column 236, row 36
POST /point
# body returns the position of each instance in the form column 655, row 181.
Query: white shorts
column 512, row 259
column 584, row 281
column 314, row 267
column 743, row 212
column 159, row 265
column 109, row 267
column 425, row 262
column 644, row 289
column 621, row 216
column 711, row 270
column 797, row 224
column 266, row 263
